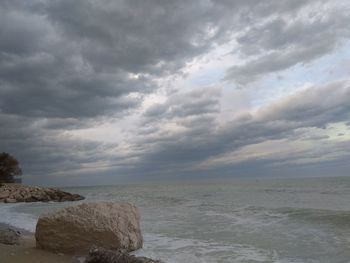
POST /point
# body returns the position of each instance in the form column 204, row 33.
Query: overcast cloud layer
column 94, row 92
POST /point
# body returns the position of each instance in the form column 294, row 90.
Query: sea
column 300, row 220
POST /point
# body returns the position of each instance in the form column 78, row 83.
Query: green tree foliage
column 9, row 168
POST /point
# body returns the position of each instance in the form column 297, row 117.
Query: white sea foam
column 175, row 250
column 16, row 219
column 247, row 217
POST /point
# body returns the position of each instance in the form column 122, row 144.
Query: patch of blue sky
column 205, row 77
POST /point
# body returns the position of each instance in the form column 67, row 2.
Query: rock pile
column 13, row 193
column 76, row 229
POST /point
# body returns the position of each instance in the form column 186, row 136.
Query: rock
column 75, row 229
column 10, row 200
column 12, row 193
column 100, row 255
column 9, row 236
column 29, row 199
column 4, row 194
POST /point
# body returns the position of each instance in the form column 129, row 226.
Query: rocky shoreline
column 101, row 232
column 14, row 193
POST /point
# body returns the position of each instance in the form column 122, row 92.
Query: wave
column 19, row 220
column 175, row 250
column 334, row 218
column 250, row 216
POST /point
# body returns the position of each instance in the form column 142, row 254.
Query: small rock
column 29, row 199
column 100, row 255
column 10, row 200
column 4, row 194
column 9, row 236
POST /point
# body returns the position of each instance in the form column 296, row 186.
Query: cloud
column 57, row 61
column 186, row 136
column 194, row 103
column 312, row 106
column 280, row 42
column 189, row 145
column 70, row 66
column 49, row 156
column 84, row 58
column 46, row 75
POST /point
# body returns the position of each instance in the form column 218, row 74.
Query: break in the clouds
column 104, row 91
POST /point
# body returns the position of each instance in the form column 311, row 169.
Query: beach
column 26, row 252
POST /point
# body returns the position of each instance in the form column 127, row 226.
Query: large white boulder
column 76, row 229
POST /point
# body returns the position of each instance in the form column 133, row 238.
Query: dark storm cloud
column 284, row 41
column 74, row 58
column 136, row 36
column 47, row 156
column 62, row 123
column 64, row 65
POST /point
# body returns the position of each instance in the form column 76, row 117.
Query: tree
column 9, row 168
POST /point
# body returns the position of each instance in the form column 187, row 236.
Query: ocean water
column 252, row 220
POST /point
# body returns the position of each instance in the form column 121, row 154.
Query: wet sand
column 26, row 252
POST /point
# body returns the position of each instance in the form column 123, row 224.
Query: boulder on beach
column 101, row 255
column 9, row 236
column 76, row 229
column 14, row 193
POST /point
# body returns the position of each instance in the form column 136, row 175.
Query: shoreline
column 26, row 251
column 19, row 193
column 23, row 231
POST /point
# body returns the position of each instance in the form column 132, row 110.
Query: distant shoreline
column 19, row 193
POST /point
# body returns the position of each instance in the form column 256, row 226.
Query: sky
column 101, row 91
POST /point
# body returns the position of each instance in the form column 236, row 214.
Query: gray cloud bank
column 67, row 65
column 200, row 142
